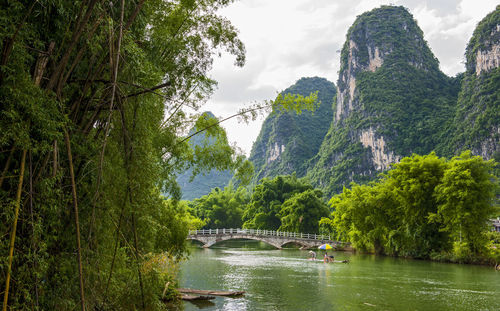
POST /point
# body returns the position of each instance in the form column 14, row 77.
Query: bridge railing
column 260, row 232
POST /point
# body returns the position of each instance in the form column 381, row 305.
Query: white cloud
column 290, row 39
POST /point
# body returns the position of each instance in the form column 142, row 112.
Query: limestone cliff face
column 381, row 157
column 287, row 141
column 488, row 57
column 345, row 97
column 477, row 119
column 389, row 91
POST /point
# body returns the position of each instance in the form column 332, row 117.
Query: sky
column 289, row 39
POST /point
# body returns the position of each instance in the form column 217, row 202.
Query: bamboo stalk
column 8, row 43
column 115, row 249
column 6, row 167
column 14, row 228
column 54, row 163
column 77, row 224
column 56, row 75
column 114, row 77
column 33, row 243
column 136, row 246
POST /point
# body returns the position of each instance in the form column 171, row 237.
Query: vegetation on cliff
column 476, row 123
column 287, row 140
column 392, row 101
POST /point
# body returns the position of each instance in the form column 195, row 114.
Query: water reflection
column 286, row 280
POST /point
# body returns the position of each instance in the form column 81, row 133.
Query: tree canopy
column 423, row 205
column 285, row 203
column 221, row 208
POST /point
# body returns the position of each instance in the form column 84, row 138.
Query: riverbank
column 443, row 257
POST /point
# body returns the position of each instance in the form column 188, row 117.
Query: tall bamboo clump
column 93, row 97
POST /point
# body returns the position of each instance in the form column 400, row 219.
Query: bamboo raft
column 211, row 292
column 193, row 297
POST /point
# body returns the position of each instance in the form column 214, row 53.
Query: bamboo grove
column 93, row 100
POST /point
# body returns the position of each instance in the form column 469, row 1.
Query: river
column 286, row 280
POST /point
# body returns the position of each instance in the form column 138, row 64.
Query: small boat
column 211, row 292
column 334, row 261
column 193, row 297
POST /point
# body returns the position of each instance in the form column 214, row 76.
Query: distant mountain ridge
column 203, row 183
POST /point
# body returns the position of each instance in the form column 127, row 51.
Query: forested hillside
column 476, row 124
column 288, row 140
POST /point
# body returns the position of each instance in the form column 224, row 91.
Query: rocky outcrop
column 490, row 58
column 490, row 144
column 275, row 152
column 375, row 58
column 487, row 60
column 381, row 156
column 345, row 96
column 379, row 118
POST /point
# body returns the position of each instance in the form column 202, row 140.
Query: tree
column 221, row 209
column 424, row 205
column 413, row 181
column 302, row 212
column 466, row 196
column 267, row 198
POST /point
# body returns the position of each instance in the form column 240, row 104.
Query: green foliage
column 285, row 203
column 57, row 74
column 221, row 208
column 424, row 206
column 302, row 212
column 296, row 138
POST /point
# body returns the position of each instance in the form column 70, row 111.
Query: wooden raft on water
column 188, row 291
column 192, row 297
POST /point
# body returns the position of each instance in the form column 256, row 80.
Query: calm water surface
column 286, row 280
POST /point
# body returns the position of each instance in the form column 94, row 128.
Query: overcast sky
column 289, row 39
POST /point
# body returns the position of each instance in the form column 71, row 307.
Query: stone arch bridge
column 277, row 239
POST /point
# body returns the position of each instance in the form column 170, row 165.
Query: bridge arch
column 303, row 245
column 237, row 237
column 195, row 240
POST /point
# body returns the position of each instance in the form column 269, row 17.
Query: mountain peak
column 385, row 36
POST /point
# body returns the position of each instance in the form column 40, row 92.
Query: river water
column 286, row 280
